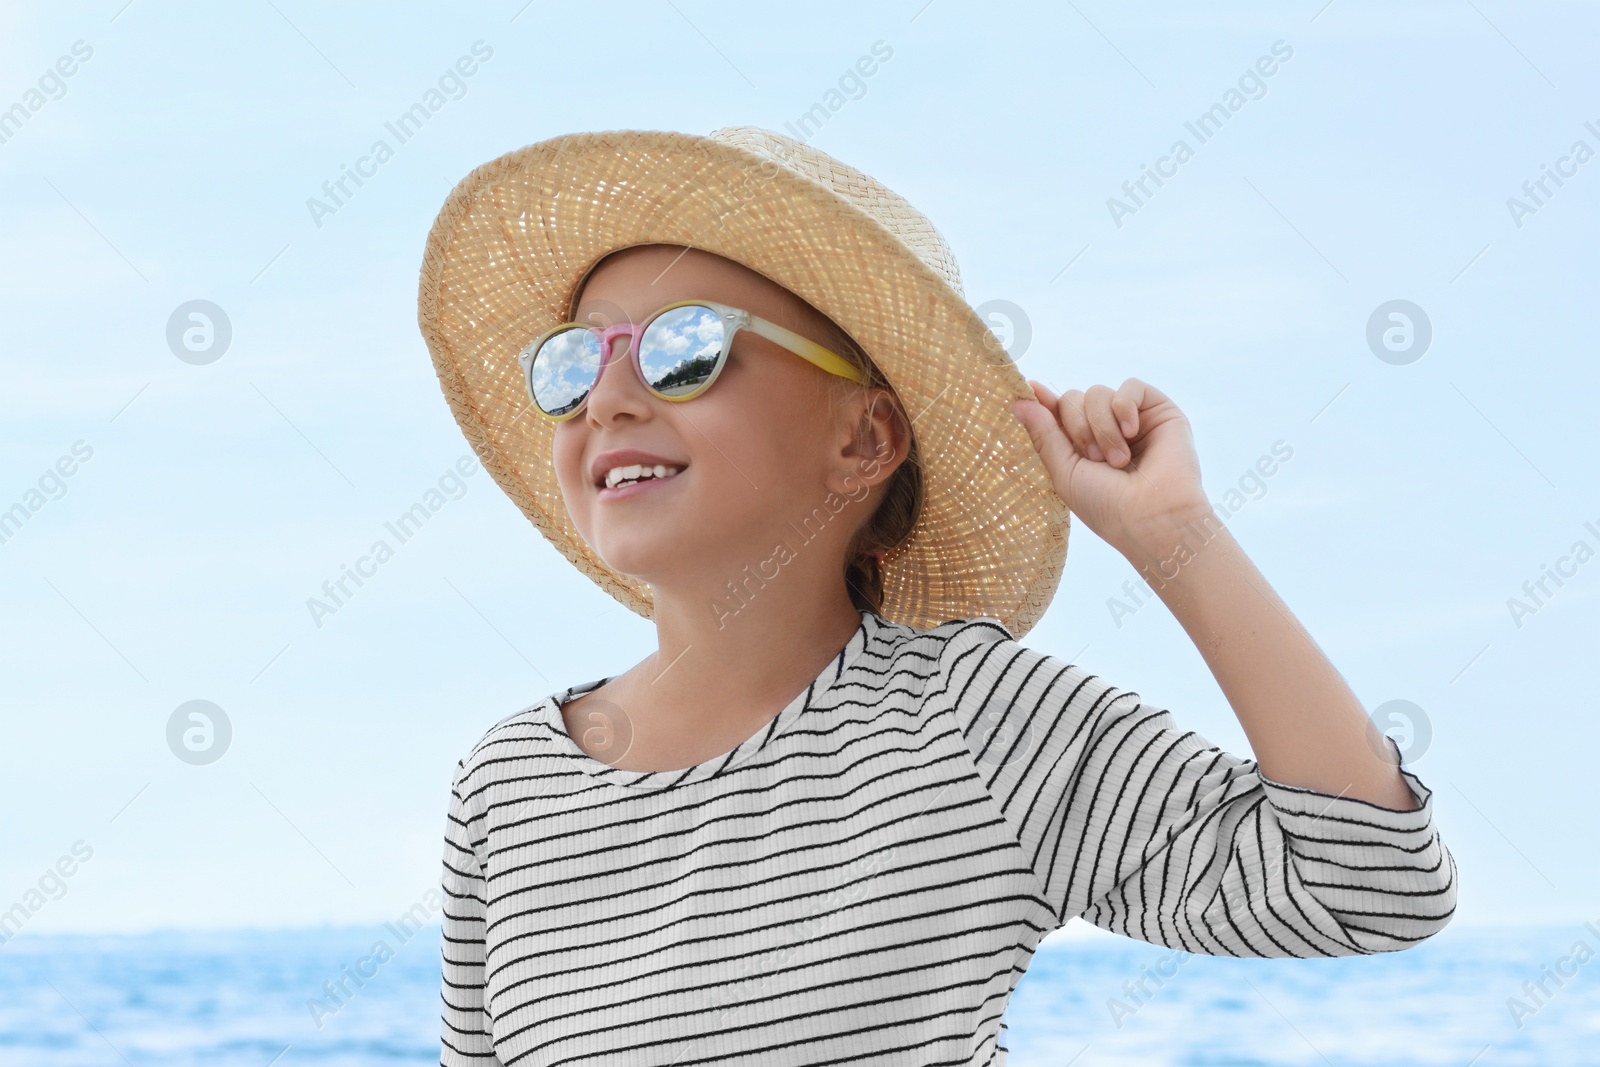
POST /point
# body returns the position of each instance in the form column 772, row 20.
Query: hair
column 892, row 522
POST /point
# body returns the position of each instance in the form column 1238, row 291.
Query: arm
column 464, row 1034
column 1125, row 463
column 1305, row 725
column 1150, row 831
column 1326, row 847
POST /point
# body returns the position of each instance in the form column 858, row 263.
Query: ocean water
column 261, row 999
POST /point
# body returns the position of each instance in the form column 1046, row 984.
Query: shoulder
column 932, row 653
column 982, row 670
column 522, row 735
column 900, row 636
column 955, row 639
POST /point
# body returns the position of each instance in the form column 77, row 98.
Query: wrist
column 1161, row 546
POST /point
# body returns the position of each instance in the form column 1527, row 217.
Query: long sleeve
column 1152, row 832
column 464, row 1033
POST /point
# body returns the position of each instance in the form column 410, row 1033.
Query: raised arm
column 1151, row 831
column 1322, row 845
column 1305, row 725
column 1125, row 463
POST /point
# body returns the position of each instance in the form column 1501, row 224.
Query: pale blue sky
column 176, row 162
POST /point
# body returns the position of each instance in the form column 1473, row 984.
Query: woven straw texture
column 516, row 237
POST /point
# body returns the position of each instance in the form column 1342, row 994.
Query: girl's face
column 761, row 448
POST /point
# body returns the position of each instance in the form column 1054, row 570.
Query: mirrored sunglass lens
column 564, row 370
column 680, row 349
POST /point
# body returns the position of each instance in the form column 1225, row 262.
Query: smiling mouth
column 639, row 474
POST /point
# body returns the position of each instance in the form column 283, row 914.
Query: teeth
column 620, row 475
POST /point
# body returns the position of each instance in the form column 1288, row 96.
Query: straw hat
column 517, row 235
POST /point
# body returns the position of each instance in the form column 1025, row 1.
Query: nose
column 619, row 390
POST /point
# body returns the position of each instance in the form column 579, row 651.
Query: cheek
column 778, row 447
column 566, row 456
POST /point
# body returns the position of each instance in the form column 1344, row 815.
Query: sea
column 332, row 997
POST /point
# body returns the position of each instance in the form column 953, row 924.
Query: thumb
column 1049, row 439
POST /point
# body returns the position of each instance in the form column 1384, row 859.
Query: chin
column 639, row 557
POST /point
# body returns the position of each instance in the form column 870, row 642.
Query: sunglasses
column 678, row 353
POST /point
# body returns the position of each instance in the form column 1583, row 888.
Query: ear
column 875, row 440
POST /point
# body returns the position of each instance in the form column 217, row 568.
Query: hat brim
column 514, row 238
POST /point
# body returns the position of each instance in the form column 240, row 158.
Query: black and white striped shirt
column 866, row 879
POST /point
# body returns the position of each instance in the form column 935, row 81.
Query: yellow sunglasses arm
column 806, row 349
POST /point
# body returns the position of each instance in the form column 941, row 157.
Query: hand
column 1124, row 462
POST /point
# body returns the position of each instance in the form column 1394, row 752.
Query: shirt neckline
column 550, row 710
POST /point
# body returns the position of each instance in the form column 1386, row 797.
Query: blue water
column 221, row 1000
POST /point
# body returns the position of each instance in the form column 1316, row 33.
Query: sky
column 1354, row 282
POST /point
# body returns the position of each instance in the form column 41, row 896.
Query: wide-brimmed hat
column 516, row 237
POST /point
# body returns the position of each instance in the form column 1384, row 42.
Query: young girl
column 832, row 816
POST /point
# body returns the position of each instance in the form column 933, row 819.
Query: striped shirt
column 866, row 879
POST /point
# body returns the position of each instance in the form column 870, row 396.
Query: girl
column 831, row 817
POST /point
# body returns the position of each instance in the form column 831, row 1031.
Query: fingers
column 1066, row 408
column 1045, row 431
column 1125, row 406
column 1069, row 409
column 1099, row 423
column 1103, row 424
